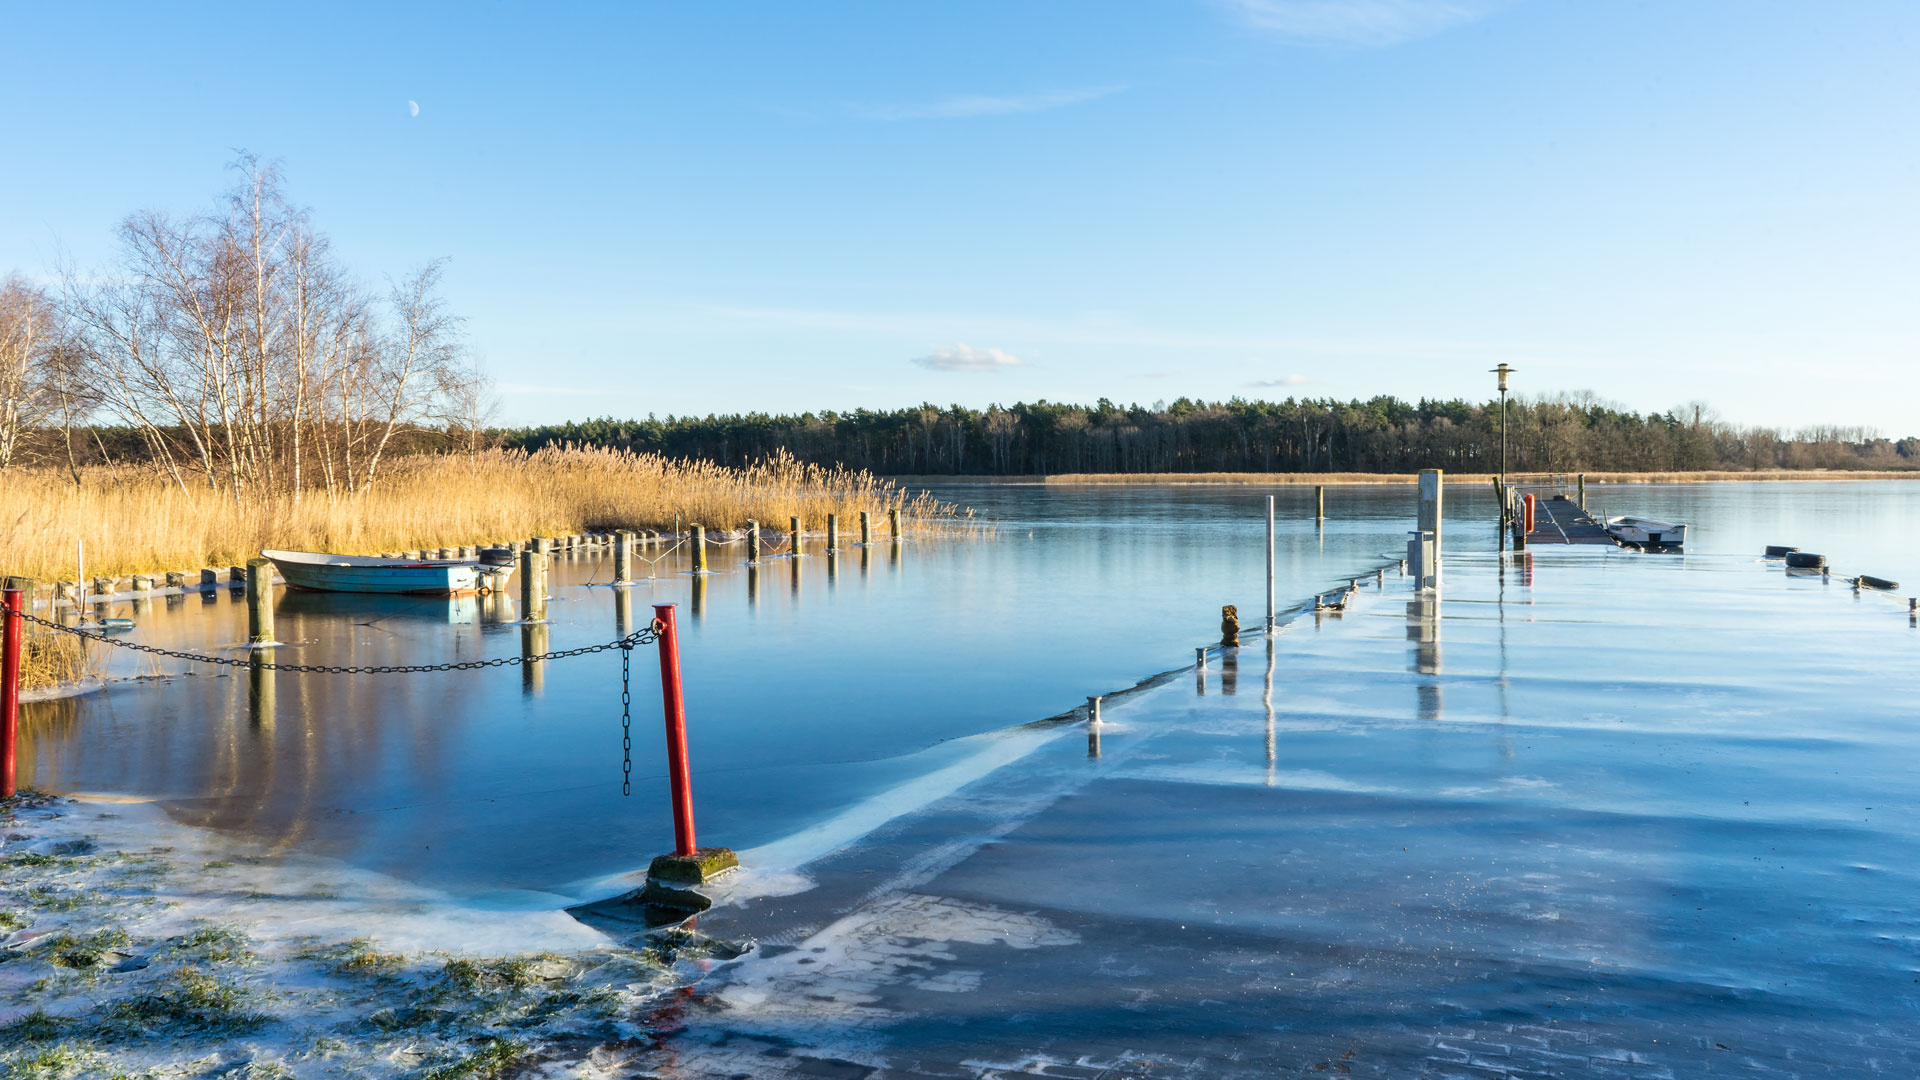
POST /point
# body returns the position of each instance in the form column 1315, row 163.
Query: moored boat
column 320, row 571
column 1647, row 532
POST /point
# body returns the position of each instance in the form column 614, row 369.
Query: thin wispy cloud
column 963, row 106
column 1282, row 381
column 964, row 357
column 1375, row 23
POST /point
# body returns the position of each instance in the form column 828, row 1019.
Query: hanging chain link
column 645, row 636
column 626, row 723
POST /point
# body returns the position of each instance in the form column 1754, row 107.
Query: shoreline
column 1347, row 479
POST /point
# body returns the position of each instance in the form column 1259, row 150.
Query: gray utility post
column 259, row 602
column 1271, row 618
column 1503, row 371
column 1432, row 487
column 533, row 586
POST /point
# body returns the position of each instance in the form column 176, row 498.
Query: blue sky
column 786, row 207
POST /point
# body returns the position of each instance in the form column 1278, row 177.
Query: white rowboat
column 1647, row 532
column 318, row 571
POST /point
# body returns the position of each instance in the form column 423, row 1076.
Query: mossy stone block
column 693, row 869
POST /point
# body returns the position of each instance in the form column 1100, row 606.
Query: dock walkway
column 1559, row 520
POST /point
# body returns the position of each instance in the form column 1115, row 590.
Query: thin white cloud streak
column 964, row 357
column 1295, row 379
column 964, row 106
column 1371, row 23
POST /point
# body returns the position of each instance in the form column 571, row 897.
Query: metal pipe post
column 679, row 777
column 1270, row 607
column 12, row 635
column 259, row 602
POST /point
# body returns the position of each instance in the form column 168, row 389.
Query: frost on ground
column 149, row 955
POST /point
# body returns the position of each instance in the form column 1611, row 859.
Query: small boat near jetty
column 318, row 571
column 1647, row 532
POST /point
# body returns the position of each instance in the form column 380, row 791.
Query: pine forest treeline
column 1555, row 434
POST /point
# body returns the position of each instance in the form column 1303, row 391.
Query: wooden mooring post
column 533, row 586
column 866, row 528
column 833, row 532
column 623, row 557
column 259, row 603
column 1583, row 491
column 699, row 548
column 753, row 542
column 893, row 522
column 1319, row 502
column 793, row 537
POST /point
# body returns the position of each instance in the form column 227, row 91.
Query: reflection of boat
column 455, row 610
column 1647, row 532
column 321, row 572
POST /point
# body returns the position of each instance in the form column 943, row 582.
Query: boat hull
column 420, row 579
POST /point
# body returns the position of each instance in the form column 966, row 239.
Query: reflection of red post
column 676, row 712
column 1529, row 514
column 10, row 634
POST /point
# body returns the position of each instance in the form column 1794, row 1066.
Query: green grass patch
column 215, row 945
column 488, row 1060
column 191, row 1002
column 84, row 953
column 53, row 1063
column 37, row 1026
column 11, row 920
column 356, row 957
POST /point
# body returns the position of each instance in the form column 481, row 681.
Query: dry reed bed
column 142, row 524
column 1295, row 479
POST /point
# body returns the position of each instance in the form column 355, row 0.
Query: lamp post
column 1503, row 371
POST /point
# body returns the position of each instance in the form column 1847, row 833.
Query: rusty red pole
column 677, row 773
column 12, row 630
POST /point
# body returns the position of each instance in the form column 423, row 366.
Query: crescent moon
column 413, row 108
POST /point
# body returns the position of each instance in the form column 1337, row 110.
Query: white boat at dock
column 319, row 571
column 1647, row 532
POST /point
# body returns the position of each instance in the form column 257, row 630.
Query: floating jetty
column 1560, row 520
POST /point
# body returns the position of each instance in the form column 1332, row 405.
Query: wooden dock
column 1559, row 520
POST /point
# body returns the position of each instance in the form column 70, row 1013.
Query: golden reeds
column 142, row 524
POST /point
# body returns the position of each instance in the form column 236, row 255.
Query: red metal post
column 1529, row 514
column 12, row 632
column 677, row 773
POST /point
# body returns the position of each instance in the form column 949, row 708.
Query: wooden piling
column 699, row 548
column 793, row 537
column 533, row 586
column 1229, row 625
column 753, row 542
column 143, row 583
column 259, row 602
column 541, row 544
column 893, row 522
column 833, row 532
column 176, row 579
column 866, row 528
column 1583, row 491
column 623, row 557
column 1319, row 502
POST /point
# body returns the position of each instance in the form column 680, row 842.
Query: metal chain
column 626, row 724
column 639, row 637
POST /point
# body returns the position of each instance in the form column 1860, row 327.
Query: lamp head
column 1503, row 371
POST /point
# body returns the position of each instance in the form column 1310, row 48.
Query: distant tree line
column 1563, row 433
